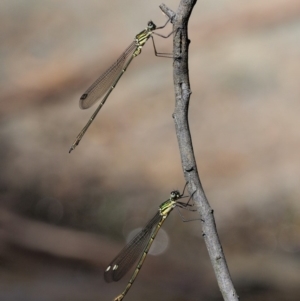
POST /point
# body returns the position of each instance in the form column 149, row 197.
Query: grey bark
column 182, row 98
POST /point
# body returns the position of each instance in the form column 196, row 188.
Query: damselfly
column 139, row 246
column 109, row 79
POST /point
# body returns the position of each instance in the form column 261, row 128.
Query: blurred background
column 64, row 217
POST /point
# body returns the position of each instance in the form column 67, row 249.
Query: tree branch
column 182, row 98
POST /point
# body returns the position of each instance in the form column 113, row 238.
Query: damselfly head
column 151, row 25
column 175, row 195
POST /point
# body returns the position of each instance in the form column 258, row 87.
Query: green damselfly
column 139, row 246
column 109, row 79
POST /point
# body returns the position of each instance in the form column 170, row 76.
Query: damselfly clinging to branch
column 109, row 79
column 139, row 246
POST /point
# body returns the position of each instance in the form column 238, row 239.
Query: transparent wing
column 131, row 252
column 105, row 81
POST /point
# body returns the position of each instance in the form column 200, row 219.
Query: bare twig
column 182, row 97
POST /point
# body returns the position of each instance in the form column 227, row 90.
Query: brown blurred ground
column 64, row 217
